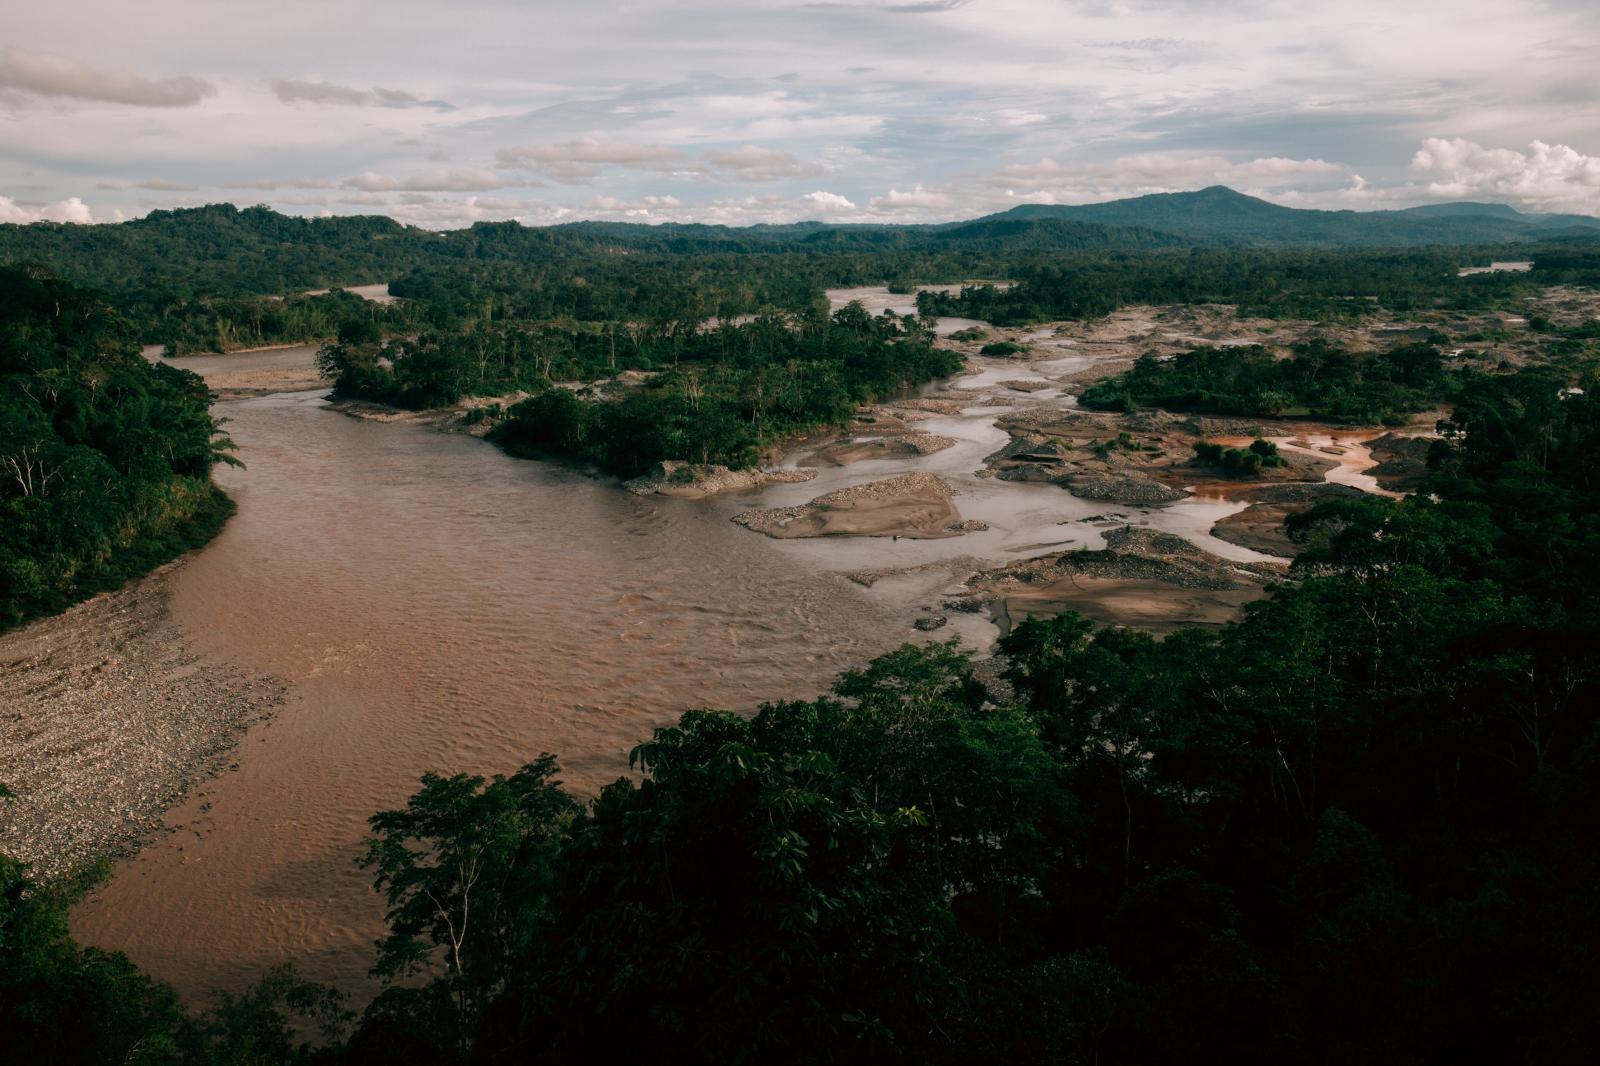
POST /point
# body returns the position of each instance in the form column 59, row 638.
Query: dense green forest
column 105, row 459
column 1355, row 826
column 1317, row 379
column 1271, row 283
column 218, row 278
column 721, row 395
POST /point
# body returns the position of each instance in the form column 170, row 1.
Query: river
column 435, row 605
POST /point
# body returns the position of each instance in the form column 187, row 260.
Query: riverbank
column 437, row 605
column 250, row 373
column 1147, row 580
column 108, row 718
column 914, row 506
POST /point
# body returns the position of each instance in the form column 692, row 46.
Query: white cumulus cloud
column 644, row 205
column 916, row 199
column 829, row 203
column 71, row 209
column 1547, row 177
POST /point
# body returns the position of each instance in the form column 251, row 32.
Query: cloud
column 163, row 185
column 326, row 93
column 1547, row 177
column 428, row 181
column 917, row 199
column 575, row 161
column 896, row 7
column 284, row 183
column 52, row 75
column 751, row 163
column 641, row 208
column 580, row 160
column 829, row 203
column 71, row 209
column 450, row 214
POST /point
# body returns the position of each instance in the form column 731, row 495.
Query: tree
column 465, row 867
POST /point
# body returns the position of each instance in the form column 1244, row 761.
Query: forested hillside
column 1221, row 214
column 105, row 459
column 1272, row 283
column 220, row 277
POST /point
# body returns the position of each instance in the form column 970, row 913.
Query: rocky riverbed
column 107, row 719
column 1150, row 580
column 915, row 506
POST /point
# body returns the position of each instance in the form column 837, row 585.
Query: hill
column 1221, row 214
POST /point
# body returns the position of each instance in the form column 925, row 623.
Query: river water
column 435, row 605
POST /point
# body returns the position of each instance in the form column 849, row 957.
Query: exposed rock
column 842, row 453
column 938, row 405
column 108, row 717
column 1125, row 488
column 696, row 481
column 1402, row 461
column 1259, row 527
column 913, row 505
column 1151, row 580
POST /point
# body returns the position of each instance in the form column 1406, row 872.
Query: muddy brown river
column 435, row 605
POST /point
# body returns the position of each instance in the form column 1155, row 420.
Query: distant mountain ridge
column 1219, row 213
column 223, row 249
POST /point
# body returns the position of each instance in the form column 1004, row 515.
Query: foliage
column 1318, row 379
column 62, row 1003
column 104, row 458
column 1347, row 827
column 727, row 396
column 217, row 278
column 1269, row 282
column 1244, row 462
column 461, row 866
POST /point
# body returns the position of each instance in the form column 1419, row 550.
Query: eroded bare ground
column 107, row 719
column 1114, row 341
column 916, row 506
column 1142, row 578
column 1147, row 460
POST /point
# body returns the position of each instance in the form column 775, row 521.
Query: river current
column 435, row 605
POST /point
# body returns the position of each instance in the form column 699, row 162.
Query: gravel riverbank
column 107, row 720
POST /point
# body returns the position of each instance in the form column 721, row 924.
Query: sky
column 743, row 111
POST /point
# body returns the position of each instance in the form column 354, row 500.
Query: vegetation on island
column 721, row 393
column 1318, row 379
column 1260, row 455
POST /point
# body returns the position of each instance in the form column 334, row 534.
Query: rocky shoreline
column 1143, row 579
column 916, row 506
column 108, row 719
column 696, row 481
